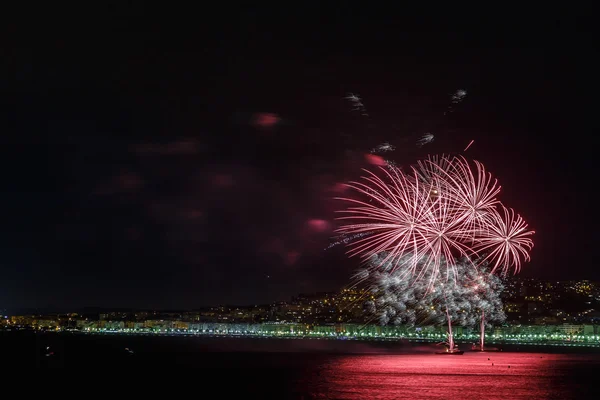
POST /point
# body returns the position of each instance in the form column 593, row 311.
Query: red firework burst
column 506, row 240
column 472, row 191
column 444, row 209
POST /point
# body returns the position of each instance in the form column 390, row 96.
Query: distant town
column 565, row 311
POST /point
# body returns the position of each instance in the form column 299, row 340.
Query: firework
column 395, row 228
column 345, row 239
column 444, row 208
column 469, row 145
column 471, row 191
column 399, row 301
column 383, row 148
column 357, row 104
column 456, row 97
column 506, row 240
column 459, row 96
column 425, row 139
column 483, row 292
column 391, row 164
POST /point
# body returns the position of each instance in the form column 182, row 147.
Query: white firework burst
column 383, row 148
column 425, row 139
column 459, row 96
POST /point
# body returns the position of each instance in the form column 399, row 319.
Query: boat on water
column 451, row 353
column 454, row 352
column 486, row 349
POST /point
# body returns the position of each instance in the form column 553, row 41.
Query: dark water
column 319, row 369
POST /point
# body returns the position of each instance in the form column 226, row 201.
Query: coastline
column 337, row 342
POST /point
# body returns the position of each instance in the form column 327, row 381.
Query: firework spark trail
column 506, row 240
column 456, row 97
column 459, row 96
column 428, row 170
column 397, row 227
column 473, row 194
column 357, row 104
column 425, row 139
column 445, row 208
column 344, row 239
column 404, row 205
column 383, row 148
column 391, row 164
column 469, row 145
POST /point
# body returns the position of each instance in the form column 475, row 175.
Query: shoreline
column 464, row 344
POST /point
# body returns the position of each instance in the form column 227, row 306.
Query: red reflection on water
column 426, row 376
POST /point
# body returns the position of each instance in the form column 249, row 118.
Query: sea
column 267, row 368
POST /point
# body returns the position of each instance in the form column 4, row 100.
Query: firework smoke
column 483, row 291
column 474, row 299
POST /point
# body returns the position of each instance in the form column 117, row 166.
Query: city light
column 539, row 313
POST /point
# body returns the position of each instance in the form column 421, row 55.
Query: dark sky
column 138, row 171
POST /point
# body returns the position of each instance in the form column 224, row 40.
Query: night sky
column 175, row 160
